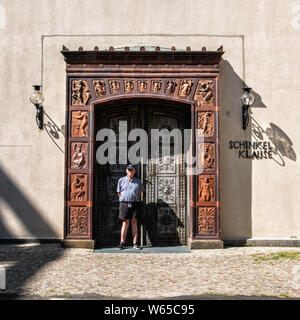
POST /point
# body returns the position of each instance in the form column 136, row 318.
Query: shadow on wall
column 54, row 132
column 236, row 173
column 281, row 144
column 23, row 261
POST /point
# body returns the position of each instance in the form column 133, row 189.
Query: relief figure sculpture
column 205, row 93
column 207, row 155
column 78, row 157
column 206, row 123
column 79, row 123
column 80, row 92
column 155, row 86
column 142, row 86
column 129, row 86
column 99, row 86
column 185, row 88
column 206, row 188
column 170, row 87
column 78, row 187
column 114, row 86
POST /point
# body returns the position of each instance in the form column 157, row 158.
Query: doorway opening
column 164, row 210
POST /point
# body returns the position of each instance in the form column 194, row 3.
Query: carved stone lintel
column 80, row 92
column 204, row 94
column 206, row 221
column 78, row 190
column 155, row 86
column 206, row 123
column 206, row 154
column 114, row 87
column 78, row 220
column 142, row 85
column 185, row 88
column 129, row 86
column 100, row 89
column 79, row 157
column 206, row 188
column 79, row 126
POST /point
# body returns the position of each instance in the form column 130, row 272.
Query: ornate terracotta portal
column 99, row 78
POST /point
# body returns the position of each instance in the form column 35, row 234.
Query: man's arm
column 119, row 188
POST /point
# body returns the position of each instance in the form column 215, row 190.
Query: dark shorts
column 129, row 213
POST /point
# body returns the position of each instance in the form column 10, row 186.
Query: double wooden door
column 163, row 209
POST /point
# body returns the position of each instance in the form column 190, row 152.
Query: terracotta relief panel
column 142, row 85
column 185, row 88
column 114, row 87
column 79, row 155
column 155, row 86
column 206, row 188
column 129, row 86
column 78, row 190
column 80, row 92
column 206, row 123
column 204, row 94
column 99, row 86
column 79, row 126
column 206, row 221
column 170, row 87
column 78, row 220
column 206, row 154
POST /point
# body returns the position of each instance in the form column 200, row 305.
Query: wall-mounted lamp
column 247, row 99
column 37, row 99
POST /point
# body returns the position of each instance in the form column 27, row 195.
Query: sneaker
column 136, row 246
column 121, row 246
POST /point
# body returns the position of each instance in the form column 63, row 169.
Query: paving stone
column 48, row 270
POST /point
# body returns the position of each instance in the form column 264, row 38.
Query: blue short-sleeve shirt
column 130, row 189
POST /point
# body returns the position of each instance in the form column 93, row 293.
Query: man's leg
column 124, row 229
column 134, row 230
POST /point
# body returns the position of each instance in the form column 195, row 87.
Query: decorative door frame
column 97, row 78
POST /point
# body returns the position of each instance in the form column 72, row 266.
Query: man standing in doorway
column 129, row 190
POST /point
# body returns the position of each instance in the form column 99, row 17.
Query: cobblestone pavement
column 49, row 270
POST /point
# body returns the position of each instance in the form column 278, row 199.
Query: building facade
column 102, row 62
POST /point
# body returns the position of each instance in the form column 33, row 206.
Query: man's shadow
column 160, row 224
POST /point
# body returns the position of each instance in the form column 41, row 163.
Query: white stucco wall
column 259, row 198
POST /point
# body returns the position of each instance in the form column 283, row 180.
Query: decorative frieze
column 78, row 190
column 142, row 85
column 204, row 94
column 114, row 86
column 129, row 86
column 206, row 123
column 206, row 188
column 170, row 87
column 206, row 155
column 79, row 126
column 99, row 86
column 155, row 86
column 79, row 157
column 185, row 88
column 78, row 220
column 206, row 221
column 80, row 92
